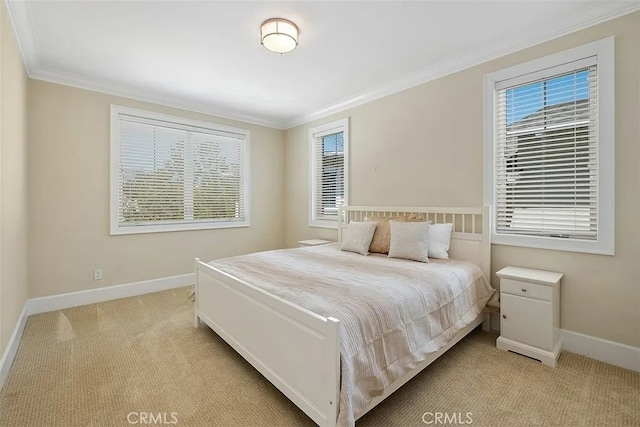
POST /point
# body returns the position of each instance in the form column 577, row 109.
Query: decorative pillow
column 439, row 240
column 415, row 217
column 410, row 240
column 358, row 237
column 382, row 236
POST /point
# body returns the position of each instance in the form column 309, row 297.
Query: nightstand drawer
column 524, row 289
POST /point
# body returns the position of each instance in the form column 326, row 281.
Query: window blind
column 328, row 175
column 546, row 165
column 175, row 173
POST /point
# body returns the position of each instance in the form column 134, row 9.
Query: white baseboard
column 75, row 299
column 622, row 355
column 12, row 346
column 108, row 293
column 614, row 353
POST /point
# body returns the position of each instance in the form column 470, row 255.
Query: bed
column 317, row 334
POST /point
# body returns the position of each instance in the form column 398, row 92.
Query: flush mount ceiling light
column 279, row 35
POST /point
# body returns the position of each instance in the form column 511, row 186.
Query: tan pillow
column 382, row 236
column 415, row 217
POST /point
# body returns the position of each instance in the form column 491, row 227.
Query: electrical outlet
column 97, row 274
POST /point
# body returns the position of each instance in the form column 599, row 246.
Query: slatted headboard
column 470, row 240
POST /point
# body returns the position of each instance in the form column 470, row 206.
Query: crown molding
column 110, row 88
column 20, row 17
column 592, row 16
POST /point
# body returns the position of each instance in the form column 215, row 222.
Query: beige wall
column 69, row 199
column 423, row 147
column 13, row 181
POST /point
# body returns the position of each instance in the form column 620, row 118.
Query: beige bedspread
column 392, row 312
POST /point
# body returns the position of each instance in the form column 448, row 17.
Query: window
column 549, row 151
column 328, row 145
column 170, row 173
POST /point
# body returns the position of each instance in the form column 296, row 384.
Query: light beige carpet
column 95, row 365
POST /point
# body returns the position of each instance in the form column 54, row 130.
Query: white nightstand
column 530, row 313
column 313, row 242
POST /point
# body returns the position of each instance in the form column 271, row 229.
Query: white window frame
column 604, row 51
column 341, row 125
column 116, row 229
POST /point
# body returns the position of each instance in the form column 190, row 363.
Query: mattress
column 393, row 313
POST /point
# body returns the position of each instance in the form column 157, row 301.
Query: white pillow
column 358, row 237
column 439, row 240
column 409, row 240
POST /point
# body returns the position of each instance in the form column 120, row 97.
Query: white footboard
column 295, row 349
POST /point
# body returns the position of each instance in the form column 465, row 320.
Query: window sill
column 324, row 224
column 143, row 229
column 557, row 244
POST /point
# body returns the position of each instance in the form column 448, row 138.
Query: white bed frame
column 283, row 341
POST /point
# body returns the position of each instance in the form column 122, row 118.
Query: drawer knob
column 504, row 316
column 524, row 290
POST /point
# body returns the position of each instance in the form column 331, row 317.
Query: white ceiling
column 206, row 56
